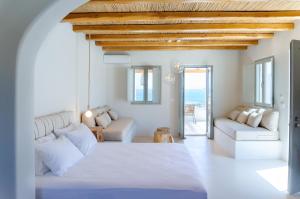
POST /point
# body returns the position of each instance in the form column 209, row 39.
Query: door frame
column 294, row 122
column 182, row 101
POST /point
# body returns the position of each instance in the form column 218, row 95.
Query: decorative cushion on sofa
column 254, row 119
column 103, row 120
column 113, row 114
column 270, row 120
column 243, row 117
column 89, row 121
column 234, row 114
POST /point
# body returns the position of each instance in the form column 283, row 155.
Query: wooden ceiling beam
column 184, row 36
column 182, row 28
column 182, row 17
column 154, row 1
column 142, row 48
column 179, row 43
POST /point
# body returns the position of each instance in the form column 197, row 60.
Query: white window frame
column 145, row 101
column 263, row 62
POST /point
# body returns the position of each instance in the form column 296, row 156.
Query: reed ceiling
column 182, row 24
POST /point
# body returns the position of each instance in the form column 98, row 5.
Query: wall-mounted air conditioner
column 116, row 59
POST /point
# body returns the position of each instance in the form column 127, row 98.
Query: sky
column 195, row 80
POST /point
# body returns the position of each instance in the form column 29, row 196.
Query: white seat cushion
column 118, row 130
column 241, row 132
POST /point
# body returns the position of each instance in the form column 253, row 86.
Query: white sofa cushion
column 270, row 120
column 243, row 117
column 113, row 114
column 254, row 119
column 103, row 120
column 234, row 114
column 118, row 130
column 241, row 132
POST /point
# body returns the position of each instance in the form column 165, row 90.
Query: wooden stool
column 163, row 135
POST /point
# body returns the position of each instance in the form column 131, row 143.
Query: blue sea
column 191, row 96
column 195, row 96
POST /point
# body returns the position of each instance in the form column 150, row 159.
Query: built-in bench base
column 247, row 149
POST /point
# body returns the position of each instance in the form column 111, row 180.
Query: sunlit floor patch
column 277, row 177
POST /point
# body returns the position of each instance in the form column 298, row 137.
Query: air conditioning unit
column 116, row 59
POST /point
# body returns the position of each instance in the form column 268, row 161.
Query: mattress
column 243, row 132
column 127, row 171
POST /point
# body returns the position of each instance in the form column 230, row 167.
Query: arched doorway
column 24, row 26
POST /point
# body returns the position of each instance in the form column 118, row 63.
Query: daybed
column 121, row 129
column 242, row 141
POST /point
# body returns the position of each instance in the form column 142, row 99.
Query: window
column 264, row 82
column 144, row 84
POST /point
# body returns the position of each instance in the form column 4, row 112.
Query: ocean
column 191, row 96
column 195, row 96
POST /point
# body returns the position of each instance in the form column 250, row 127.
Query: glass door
column 195, row 87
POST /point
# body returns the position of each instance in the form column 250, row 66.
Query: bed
column 127, row 171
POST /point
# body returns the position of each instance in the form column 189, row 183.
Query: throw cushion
column 89, row 121
column 234, row 114
column 103, row 120
column 254, row 119
column 113, row 114
column 270, row 120
column 243, row 117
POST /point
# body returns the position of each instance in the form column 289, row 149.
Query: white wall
column 61, row 73
column 279, row 48
column 148, row 117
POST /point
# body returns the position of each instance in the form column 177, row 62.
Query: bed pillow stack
column 59, row 153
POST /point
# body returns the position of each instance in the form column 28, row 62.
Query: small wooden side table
column 163, row 135
column 97, row 131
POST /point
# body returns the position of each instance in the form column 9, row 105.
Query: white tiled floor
column 194, row 128
column 226, row 178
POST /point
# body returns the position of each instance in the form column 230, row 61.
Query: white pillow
column 113, row 114
column 59, row 155
column 243, row 117
column 103, row 120
column 234, row 114
column 254, row 119
column 82, row 138
column 270, row 120
column 40, row 167
column 71, row 127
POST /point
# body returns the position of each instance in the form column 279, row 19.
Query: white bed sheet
column 127, row 171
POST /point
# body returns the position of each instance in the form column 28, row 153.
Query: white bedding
column 127, row 171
